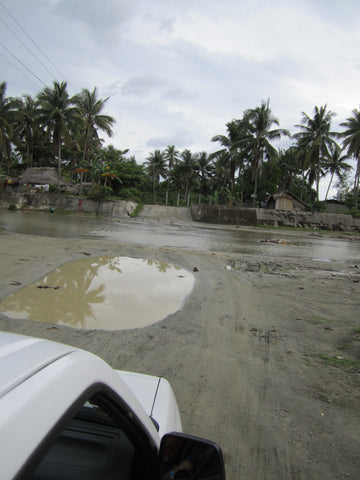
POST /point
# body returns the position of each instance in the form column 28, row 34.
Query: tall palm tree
column 352, row 143
column 59, row 116
column 231, row 145
column 8, row 112
column 28, row 127
column 259, row 124
column 186, row 171
column 205, row 168
column 171, row 155
column 156, row 167
column 335, row 165
column 91, row 107
column 315, row 140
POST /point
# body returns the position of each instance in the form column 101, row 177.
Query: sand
column 263, row 357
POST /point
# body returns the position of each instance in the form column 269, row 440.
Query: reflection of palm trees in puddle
column 162, row 266
column 71, row 303
column 76, row 288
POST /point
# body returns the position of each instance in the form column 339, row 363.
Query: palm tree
column 91, row 107
column 205, row 170
column 231, row 147
column 259, row 123
column 335, row 165
column 59, row 116
column 172, row 156
column 186, row 172
column 8, row 112
column 28, row 127
column 352, row 143
column 315, row 140
column 156, row 166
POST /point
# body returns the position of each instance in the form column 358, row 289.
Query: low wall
column 162, row 212
column 315, row 220
column 223, row 214
column 200, row 213
column 46, row 201
column 260, row 216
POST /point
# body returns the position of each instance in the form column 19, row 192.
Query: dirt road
column 263, row 358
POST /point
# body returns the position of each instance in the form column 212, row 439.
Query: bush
column 137, row 210
column 12, row 207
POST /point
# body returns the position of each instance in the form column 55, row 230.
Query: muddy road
column 263, row 357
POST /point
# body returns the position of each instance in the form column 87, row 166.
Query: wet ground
column 108, row 293
column 208, row 238
column 264, row 355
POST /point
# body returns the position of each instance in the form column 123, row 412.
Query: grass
column 320, row 319
column 137, row 210
column 346, row 363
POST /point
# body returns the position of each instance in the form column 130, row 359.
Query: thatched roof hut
column 39, row 176
column 286, row 201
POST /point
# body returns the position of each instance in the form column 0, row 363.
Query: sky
column 177, row 71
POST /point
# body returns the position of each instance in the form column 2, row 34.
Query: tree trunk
column 327, row 191
column 356, row 183
column 59, row 163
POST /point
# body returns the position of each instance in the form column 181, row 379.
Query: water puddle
column 103, row 293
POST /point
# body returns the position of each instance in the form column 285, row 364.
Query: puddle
column 103, row 293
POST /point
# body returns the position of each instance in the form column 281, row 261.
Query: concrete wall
column 199, row 213
column 43, row 201
column 260, row 216
column 223, row 214
column 162, row 212
column 316, row 220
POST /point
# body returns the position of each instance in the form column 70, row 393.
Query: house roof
column 40, row 176
column 287, row 194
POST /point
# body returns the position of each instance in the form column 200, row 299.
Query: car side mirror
column 188, row 457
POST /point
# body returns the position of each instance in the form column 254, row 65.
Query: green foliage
column 338, row 361
column 54, row 129
column 54, row 189
column 12, row 207
column 137, row 210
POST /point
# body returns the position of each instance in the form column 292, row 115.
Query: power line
column 21, row 63
column 34, row 43
column 27, row 48
column 18, row 69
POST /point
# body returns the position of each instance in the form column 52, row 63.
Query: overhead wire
column 22, row 63
column 34, row 43
column 27, row 48
column 18, row 69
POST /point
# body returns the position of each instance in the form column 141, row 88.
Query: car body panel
column 157, row 398
column 41, row 380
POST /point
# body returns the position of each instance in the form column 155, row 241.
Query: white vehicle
column 67, row 415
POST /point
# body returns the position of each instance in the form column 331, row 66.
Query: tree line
column 63, row 131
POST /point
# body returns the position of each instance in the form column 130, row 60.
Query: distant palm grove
column 56, row 130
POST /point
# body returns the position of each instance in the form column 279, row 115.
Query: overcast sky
column 177, row 71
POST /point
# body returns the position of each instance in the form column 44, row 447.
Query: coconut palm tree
column 352, row 143
column 59, row 116
column 8, row 112
column 232, row 143
column 91, row 107
column 172, row 156
column 27, row 127
column 335, row 165
column 186, row 172
column 156, row 167
column 257, row 143
column 315, row 139
column 205, row 169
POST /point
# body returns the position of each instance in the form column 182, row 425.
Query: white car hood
column 157, row 399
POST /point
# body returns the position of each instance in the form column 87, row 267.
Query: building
column 286, row 201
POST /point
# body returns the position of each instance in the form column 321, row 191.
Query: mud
column 263, row 358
